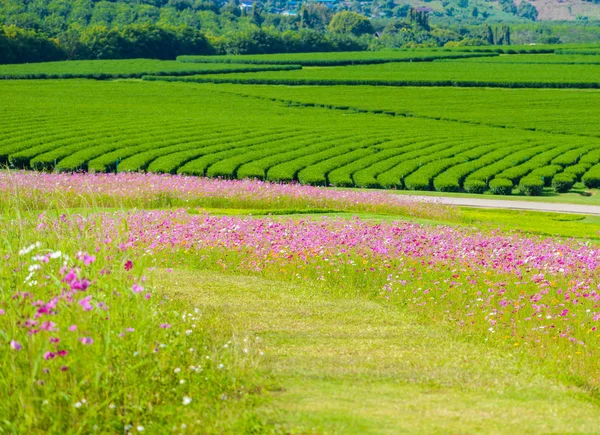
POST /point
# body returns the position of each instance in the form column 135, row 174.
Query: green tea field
column 515, row 137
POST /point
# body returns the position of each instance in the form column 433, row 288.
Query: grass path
column 347, row 364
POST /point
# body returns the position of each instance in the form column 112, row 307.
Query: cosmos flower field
column 91, row 343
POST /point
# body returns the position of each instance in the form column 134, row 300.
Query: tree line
column 85, row 29
column 161, row 42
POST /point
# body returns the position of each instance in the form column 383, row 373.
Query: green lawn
column 342, row 363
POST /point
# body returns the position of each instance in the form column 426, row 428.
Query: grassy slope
column 347, row 364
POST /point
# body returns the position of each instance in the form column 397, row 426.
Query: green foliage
column 501, row 186
column 528, row 11
column 317, row 174
column 475, row 186
column 426, row 173
column 419, row 18
column 22, row 46
column 140, row 41
column 531, row 185
column 591, row 178
column 347, row 22
column 446, row 185
column 547, row 173
column 538, row 161
column 578, row 170
column 562, row 183
column 570, row 158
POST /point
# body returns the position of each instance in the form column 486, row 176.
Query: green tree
column 315, row 16
column 419, row 18
column 20, row 46
column 528, row 11
column 347, row 22
column 508, row 6
column 255, row 16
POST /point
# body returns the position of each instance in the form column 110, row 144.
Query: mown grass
column 349, row 364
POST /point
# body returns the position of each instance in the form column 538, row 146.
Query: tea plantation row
column 195, row 130
column 439, row 73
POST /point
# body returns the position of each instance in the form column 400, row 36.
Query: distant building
column 246, row 5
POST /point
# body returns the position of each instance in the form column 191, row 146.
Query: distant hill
column 567, row 10
column 461, row 11
column 220, row 16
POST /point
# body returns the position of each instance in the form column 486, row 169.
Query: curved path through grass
column 351, row 364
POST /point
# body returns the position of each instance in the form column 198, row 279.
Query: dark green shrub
column 592, row 178
column 475, row 186
column 578, row 170
column 501, row 186
column 417, row 183
column 563, row 182
column 547, row 173
column 446, row 184
column 531, row 185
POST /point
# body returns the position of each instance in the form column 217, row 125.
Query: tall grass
column 88, row 344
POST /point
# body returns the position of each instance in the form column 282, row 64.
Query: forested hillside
column 44, row 30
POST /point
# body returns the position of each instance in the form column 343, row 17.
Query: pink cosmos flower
column 73, row 328
column 81, row 285
column 137, row 288
column 128, row 265
column 88, row 259
column 1, row 312
column 62, row 353
column 85, row 303
column 64, row 368
column 54, row 340
column 87, row 340
column 48, row 326
column 49, row 355
column 15, row 345
column 165, row 325
column 70, row 276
